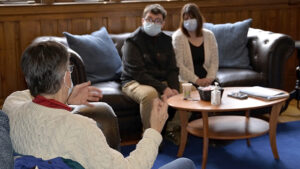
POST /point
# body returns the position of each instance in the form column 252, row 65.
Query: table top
column 227, row 103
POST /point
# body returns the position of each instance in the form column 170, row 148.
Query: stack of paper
column 264, row 93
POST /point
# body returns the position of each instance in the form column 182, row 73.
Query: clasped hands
column 83, row 93
column 168, row 92
column 204, row 81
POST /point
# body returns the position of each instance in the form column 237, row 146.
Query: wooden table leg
column 247, row 126
column 273, row 126
column 183, row 123
column 205, row 139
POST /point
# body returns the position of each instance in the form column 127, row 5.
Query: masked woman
column 195, row 48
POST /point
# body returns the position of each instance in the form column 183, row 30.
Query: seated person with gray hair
column 44, row 126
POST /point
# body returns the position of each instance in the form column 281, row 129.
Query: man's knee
column 150, row 93
column 180, row 163
column 188, row 163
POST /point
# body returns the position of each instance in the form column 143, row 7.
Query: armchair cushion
column 101, row 59
column 232, row 43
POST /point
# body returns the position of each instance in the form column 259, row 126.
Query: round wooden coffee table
column 225, row 127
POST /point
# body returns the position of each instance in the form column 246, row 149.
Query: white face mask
column 151, row 29
column 190, row 24
column 70, row 88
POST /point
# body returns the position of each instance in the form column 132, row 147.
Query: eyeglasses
column 70, row 68
column 156, row 21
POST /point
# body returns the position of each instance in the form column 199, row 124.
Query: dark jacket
column 150, row 60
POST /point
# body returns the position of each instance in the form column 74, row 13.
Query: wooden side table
column 225, row 127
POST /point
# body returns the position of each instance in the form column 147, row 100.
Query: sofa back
column 267, row 53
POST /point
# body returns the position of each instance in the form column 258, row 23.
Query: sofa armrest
column 268, row 53
column 106, row 120
column 78, row 75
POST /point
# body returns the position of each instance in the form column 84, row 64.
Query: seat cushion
column 240, row 77
column 113, row 95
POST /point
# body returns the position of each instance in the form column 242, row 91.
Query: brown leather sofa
column 268, row 52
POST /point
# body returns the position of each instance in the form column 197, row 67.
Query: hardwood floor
column 291, row 114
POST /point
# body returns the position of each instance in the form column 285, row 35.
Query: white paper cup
column 186, row 89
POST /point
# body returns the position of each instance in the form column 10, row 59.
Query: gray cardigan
column 6, row 150
column 184, row 56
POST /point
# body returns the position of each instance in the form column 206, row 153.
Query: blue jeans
column 180, row 163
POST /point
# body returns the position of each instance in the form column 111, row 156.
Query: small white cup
column 186, row 89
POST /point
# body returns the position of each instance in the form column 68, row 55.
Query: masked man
column 149, row 63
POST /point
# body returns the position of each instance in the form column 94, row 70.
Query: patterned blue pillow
column 100, row 56
column 232, row 43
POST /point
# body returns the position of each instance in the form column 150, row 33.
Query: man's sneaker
column 173, row 135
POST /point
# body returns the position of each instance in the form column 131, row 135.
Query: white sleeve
column 89, row 147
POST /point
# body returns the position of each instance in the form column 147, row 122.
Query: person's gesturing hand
column 159, row 114
column 83, row 93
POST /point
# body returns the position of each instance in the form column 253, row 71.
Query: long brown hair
column 193, row 11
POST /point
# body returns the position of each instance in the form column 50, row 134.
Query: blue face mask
column 151, row 29
column 190, row 24
column 71, row 88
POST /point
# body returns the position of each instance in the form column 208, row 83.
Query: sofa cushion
column 232, row 43
column 113, row 95
column 229, row 77
column 101, row 59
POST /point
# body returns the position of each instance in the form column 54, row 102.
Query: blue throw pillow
column 232, row 43
column 100, row 56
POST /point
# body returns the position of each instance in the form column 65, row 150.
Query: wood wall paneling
column 49, row 27
column 63, row 26
column 20, row 24
column 10, row 77
column 80, row 26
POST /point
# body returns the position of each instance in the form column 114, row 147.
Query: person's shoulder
column 23, row 93
column 178, row 35
column 16, row 99
column 165, row 35
column 135, row 35
column 178, row 32
column 207, row 32
column 134, row 38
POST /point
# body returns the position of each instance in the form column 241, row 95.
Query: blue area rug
column 237, row 155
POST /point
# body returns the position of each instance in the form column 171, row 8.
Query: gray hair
column 44, row 65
